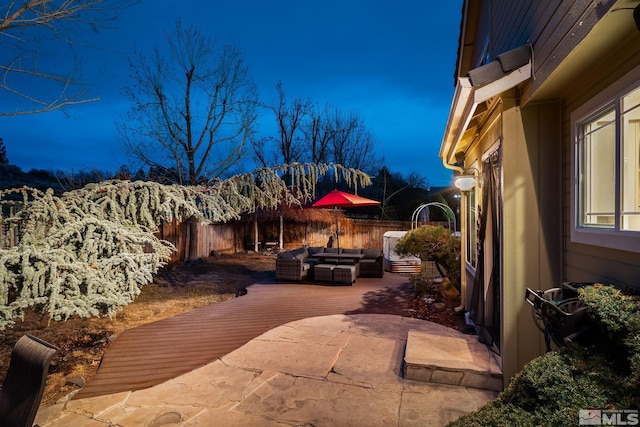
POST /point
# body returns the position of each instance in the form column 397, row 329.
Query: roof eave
column 459, row 116
column 465, row 101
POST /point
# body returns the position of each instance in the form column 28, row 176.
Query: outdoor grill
column 558, row 313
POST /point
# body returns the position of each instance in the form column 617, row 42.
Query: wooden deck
column 150, row 354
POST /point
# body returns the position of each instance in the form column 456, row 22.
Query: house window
column 607, row 170
column 598, row 171
column 630, row 219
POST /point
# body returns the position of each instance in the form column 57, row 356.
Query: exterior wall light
column 467, row 179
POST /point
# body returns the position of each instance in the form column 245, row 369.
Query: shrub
column 496, row 413
column 571, row 378
column 422, row 282
column 551, row 389
column 618, row 316
column 433, row 243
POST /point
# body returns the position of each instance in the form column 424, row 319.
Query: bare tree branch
column 193, row 106
column 306, row 133
column 319, row 134
column 24, row 26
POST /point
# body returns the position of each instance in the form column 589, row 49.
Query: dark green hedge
column 601, row 373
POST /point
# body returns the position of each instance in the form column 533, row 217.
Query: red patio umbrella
column 339, row 199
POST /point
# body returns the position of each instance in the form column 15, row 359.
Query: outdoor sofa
column 299, row 263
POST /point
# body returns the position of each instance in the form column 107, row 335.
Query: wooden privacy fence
column 8, row 231
column 237, row 236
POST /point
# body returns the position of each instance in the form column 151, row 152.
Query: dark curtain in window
column 485, row 295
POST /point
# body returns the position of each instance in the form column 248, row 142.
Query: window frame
column 614, row 238
column 471, row 238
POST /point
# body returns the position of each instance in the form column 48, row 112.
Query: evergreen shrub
column 552, row 389
column 434, row 243
column 88, row 252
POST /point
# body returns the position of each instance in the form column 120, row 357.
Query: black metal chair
column 24, row 383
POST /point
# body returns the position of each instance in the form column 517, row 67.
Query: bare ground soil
column 176, row 290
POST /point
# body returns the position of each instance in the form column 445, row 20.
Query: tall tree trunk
column 256, row 244
column 193, row 239
column 439, row 268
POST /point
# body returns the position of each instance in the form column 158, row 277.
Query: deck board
column 150, row 354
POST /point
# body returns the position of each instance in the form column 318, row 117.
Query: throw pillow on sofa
column 302, row 253
column 286, row 255
column 314, row 250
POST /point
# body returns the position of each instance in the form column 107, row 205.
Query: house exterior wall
column 531, row 144
column 532, row 223
column 580, row 47
column 592, row 263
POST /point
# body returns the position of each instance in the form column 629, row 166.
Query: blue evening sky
column 392, row 62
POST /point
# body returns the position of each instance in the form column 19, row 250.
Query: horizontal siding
column 564, row 28
column 510, row 24
column 619, row 60
column 585, row 263
column 553, row 28
column 570, row 62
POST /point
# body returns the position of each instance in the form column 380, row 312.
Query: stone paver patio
column 338, row 370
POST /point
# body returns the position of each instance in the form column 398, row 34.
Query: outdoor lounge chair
column 23, row 386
